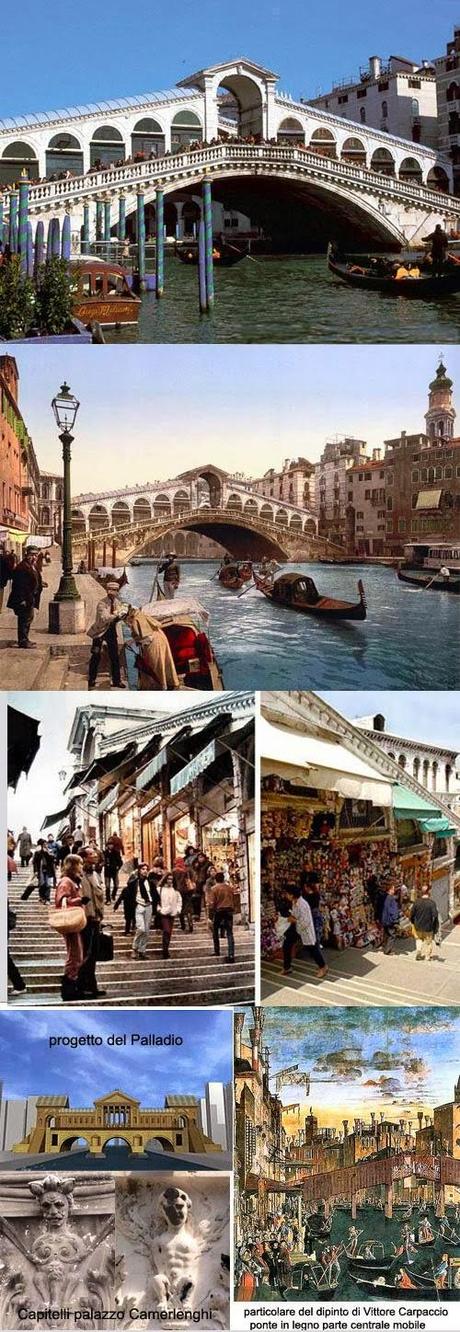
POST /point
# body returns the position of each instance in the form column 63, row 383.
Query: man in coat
column 24, row 588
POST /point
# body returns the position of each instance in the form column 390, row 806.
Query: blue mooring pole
column 39, row 247
column 107, row 220
column 141, row 239
column 13, row 224
column 85, row 238
column 99, row 220
column 66, row 238
column 2, row 227
column 207, row 217
column 30, row 251
column 202, row 291
column 55, row 238
column 23, row 217
column 160, row 244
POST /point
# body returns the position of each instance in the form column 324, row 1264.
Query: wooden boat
column 432, row 582
column 101, row 293
column 424, row 286
column 234, row 576
column 223, row 255
column 377, row 1262
column 418, row 1291
column 184, row 622
column 298, row 592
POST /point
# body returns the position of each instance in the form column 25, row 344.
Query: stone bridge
column 243, row 535
column 230, row 123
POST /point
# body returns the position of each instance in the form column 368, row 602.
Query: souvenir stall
column 325, row 825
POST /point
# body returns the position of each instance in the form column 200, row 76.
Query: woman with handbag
column 93, row 902
column 70, row 920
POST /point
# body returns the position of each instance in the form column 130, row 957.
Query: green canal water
column 286, row 299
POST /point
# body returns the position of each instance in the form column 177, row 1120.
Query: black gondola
column 223, row 256
column 435, row 582
column 424, row 286
column 418, row 1291
column 298, row 592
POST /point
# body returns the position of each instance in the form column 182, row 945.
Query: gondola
column 378, row 1262
column 298, row 593
column 434, row 582
column 234, row 576
column 184, row 623
column 223, row 256
column 429, row 1290
column 424, row 286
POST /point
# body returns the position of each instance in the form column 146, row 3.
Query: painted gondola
column 298, row 593
column 223, row 257
column 431, row 582
column 424, row 286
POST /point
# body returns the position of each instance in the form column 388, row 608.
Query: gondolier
column 170, row 568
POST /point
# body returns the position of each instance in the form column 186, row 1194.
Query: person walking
column 143, row 911
column 14, row 974
column 170, row 907
column 184, row 883
column 25, row 847
column 68, row 893
column 44, row 869
column 92, row 896
column 109, row 613
column 154, row 877
column 221, row 905
column 389, row 918
column 24, row 587
column 301, row 927
column 128, row 898
column 424, row 919
column 113, row 860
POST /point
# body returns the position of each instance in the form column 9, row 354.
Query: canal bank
column 58, row 661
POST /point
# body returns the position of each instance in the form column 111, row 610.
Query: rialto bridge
column 116, row 1117
column 205, row 500
column 259, row 148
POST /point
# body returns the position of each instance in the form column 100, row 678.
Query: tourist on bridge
column 113, row 860
column 169, row 909
column 25, row 847
column 143, row 914
column 44, row 869
column 128, row 898
column 68, row 893
column 110, row 611
column 24, row 588
column 92, row 896
column 170, row 568
column 301, row 928
column 389, row 918
column 221, row 906
column 424, row 919
column 183, row 881
column 156, row 874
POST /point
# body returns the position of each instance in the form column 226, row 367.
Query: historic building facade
column 397, row 96
column 18, row 477
column 448, row 103
column 422, row 474
column 331, row 484
column 295, row 482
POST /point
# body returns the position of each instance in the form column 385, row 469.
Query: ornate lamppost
column 67, row 610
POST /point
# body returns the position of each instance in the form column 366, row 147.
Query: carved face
column 175, row 1206
column 55, row 1210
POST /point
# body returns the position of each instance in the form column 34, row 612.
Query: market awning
column 192, row 770
column 109, row 800
column 106, row 764
column 324, row 764
column 428, row 499
column 408, row 805
column 23, row 744
column 155, row 766
column 440, row 826
column 61, row 814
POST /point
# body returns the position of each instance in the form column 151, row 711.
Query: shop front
column 129, row 824
column 151, row 830
column 326, row 825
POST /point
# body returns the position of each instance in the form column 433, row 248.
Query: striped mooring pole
column 39, row 248
column 85, row 237
column 107, row 220
column 141, row 239
column 202, row 290
column 13, row 224
column 160, row 244
column 207, row 217
column 122, row 216
column 23, row 218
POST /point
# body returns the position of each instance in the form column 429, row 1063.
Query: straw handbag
column 67, row 920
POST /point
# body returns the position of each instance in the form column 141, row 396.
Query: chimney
column 239, row 1023
column 375, row 65
column 345, row 1127
column 373, row 1118
column 376, row 455
column 420, row 1119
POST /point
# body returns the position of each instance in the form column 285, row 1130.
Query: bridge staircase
column 192, row 976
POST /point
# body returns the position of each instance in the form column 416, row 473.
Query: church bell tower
column 441, row 413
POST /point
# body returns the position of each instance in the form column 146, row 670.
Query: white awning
column 428, row 499
column 324, row 764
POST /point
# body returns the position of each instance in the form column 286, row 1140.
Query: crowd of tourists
column 299, row 925
column 78, row 880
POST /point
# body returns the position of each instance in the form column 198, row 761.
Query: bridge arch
column 142, row 510
column 290, row 131
column 116, row 1140
column 247, row 92
column 162, row 506
column 281, row 518
column 235, row 502
column 410, row 171
column 250, row 506
column 74, row 1142
column 353, row 151
column 437, row 179
column 120, row 513
column 64, row 153
column 266, row 512
column 186, row 128
column 243, row 535
column 181, row 502
column 107, row 146
column 98, row 517
column 295, row 522
column 147, row 138
column 78, row 521
column 323, row 141
column 383, row 162
column 159, row 1144
column 17, row 157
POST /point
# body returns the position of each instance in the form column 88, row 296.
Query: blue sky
column 55, row 56
column 150, row 412
column 418, row 716
column 28, row 1067
column 369, row 1058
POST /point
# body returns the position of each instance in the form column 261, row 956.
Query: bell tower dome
column 441, row 412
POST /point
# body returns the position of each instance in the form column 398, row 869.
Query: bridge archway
column 162, row 506
column 121, row 514
column 115, row 1140
column 147, row 138
column 323, row 141
column 181, row 503
column 235, row 502
column 353, row 151
column 142, row 510
column 74, row 1143
column 159, row 1145
column 64, row 153
column 78, row 521
column 17, row 157
column 98, row 517
column 248, row 103
column 186, row 128
column 383, row 162
column 290, row 131
column 107, row 146
column 243, row 536
column 437, row 179
column 411, row 171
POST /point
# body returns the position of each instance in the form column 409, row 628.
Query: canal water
column 410, row 640
column 286, row 299
column 373, row 1225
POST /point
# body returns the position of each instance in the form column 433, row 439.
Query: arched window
column 64, row 153
column 147, row 139
column 384, row 110
column 290, row 131
column 362, row 115
column 106, row 146
column 16, row 158
column 186, row 128
column 415, row 107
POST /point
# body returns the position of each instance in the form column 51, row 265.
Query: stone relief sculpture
column 172, row 1238
column 56, row 1253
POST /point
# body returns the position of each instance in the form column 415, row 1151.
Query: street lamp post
column 67, row 610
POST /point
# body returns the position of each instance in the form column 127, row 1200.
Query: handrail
column 163, row 170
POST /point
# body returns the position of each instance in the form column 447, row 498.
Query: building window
column 414, row 83
column 415, row 107
column 401, row 524
column 415, row 475
column 447, row 472
column 389, row 503
column 384, row 110
column 362, row 92
column 362, row 115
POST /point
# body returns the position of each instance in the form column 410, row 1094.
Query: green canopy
column 440, row 825
column 408, row 805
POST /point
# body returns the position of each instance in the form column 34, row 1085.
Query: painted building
column 294, row 482
column 447, row 69
column 260, row 1138
column 18, row 467
column 397, row 96
column 331, row 483
column 51, row 498
column 422, row 474
column 366, row 506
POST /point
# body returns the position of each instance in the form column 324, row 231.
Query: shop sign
column 194, row 768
